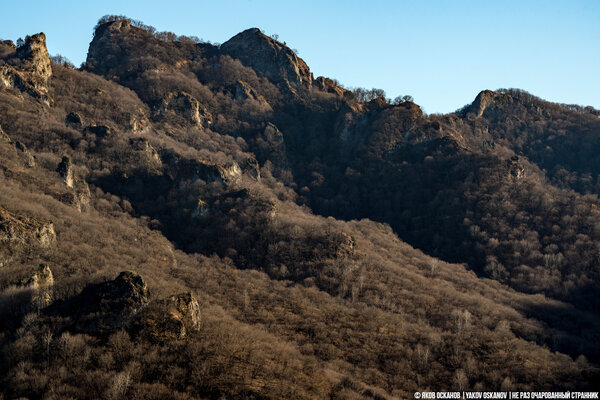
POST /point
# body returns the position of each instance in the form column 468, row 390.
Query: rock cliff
column 271, row 58
column 33, row 70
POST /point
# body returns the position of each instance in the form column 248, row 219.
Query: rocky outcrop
column 104, row 307
column 42, row 277
column 39, row 287
column 186, row 106
column 65, row 170
column 227, row 173
column 172, row 318
column 516, row 170
column 35, row 59
column 34, row 70
column 271, row 146
column 135, row 123
column 230, row 173
column 74, row 120
column 202, row 209
column 329, row 86
column 269, row 57
column 16, row 228
column 101, row 53
column 4, row 137
column 143, row 145
column 244, row 91
column 101, row 131
column 79, row 196
column 252, row 167
column 487, row 98
column 25, row 154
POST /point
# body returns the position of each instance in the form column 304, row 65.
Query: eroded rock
column 187, row 106
column 16, row 228
column 271, row 58
column 329, row 86
column 32, row 74
column 172, row 318
column 487, row 98
column 65, row 170
column 25, row 154
column 4, row 137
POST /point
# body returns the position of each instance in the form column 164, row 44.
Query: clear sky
column 440, row 52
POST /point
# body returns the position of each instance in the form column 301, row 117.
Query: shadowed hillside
column 185, row 220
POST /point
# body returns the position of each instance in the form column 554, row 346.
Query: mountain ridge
column 256, row 194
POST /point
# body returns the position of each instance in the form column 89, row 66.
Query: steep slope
column 159, row 190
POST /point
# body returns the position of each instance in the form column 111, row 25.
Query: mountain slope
column 194, row 167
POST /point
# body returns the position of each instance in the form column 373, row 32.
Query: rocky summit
column 186, row 220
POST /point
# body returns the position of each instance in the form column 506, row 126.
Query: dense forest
column 181, row 219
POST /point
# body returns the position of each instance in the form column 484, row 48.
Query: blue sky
column 440, row 52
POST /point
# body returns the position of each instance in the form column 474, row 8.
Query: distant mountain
column 183, row 220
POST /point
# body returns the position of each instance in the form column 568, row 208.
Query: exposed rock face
column 169, row 319
column 486, row 98
column 4, row 137
column 34, row 71
column 36, row 60
column 269, row 57
column 228, row 173
column 42, row 277
column 144, row 146
column 40, row 286
column 253, row 167
column 187, row 106
column 107, row 306
column 243, row 91
column 79, row 197
column 65, row 169
column 273, row 134
column 98, row 57
column 25, row 154
column 328, row 85
column 135, row 124
column 347, row 244
column 516, row 170
column 25, row 230
column 272, row 146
